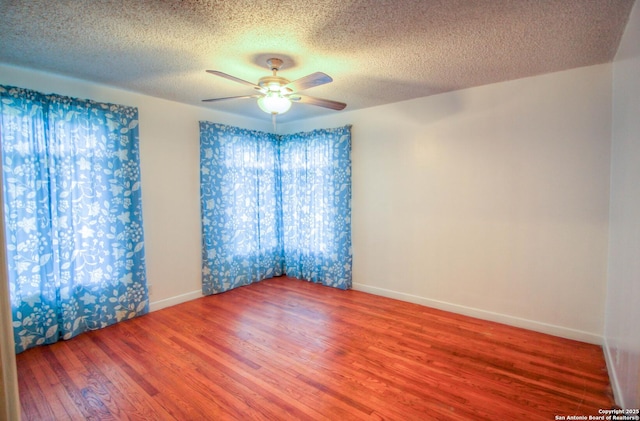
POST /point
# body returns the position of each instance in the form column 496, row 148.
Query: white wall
column 622, row 334
column 170, row 172
column 491, row 201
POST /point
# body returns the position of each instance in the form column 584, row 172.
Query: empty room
column 320, row 210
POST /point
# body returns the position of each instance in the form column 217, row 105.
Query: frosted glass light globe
column 273, row 103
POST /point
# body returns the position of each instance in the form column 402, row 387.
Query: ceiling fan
column 276, row 94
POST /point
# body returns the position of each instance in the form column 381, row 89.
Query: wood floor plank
column 74, row 381
column 167, row 385
column 202, row 374
column 318, row 361
column 285, row 349
column 130, row 396
column 268, row 380
column 62, row 408
column 34, row 399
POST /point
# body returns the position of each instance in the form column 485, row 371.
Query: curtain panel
column 241, row 213
column 316, row 205
column 275, row 204
column 73, row 215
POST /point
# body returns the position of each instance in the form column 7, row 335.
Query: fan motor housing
column 272, row 83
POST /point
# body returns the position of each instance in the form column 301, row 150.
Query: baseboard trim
column 613, row 378
column 563, row 332
column 172, row 301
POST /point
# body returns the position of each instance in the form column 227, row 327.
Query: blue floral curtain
column 73, row 216
column 316, row 205
column 275, row 204
column 240, row 184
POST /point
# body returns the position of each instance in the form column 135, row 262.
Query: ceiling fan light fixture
column 277, row 93
column 274, row 103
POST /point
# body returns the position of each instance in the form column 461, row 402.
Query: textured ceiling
column 377, row 51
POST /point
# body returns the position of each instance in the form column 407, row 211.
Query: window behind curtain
column 241, row 215
column 275, row 204
column 73, row 216
column 316, row 205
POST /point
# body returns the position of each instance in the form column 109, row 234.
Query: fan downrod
column 273, row 83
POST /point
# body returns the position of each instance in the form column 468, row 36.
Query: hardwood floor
column 284, row 349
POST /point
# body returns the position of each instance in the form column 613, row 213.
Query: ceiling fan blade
column 309, row 81
column 231, row 97
column 233, row 78
column 326, row 103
